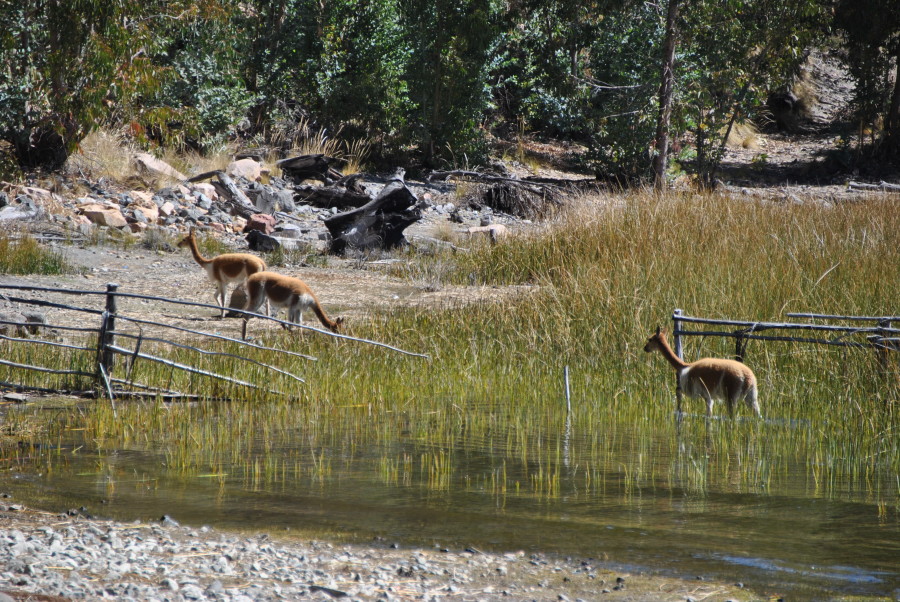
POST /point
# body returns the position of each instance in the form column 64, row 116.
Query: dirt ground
column 345, row 287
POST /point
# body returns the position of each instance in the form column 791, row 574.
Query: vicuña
column 285, row 291
column 710, row 378
column 224, row 269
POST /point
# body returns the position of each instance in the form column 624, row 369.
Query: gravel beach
column 45, row 556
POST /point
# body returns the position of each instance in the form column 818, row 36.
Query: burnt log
column 379, row 224
column 331, row 196
column 233, row 197
column 309, row 167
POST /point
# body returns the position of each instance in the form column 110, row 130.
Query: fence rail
column 880, row 336
column 104, row 382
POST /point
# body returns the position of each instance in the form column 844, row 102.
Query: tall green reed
column 600, row 278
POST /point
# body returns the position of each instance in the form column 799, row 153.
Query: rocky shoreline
column 46, row 556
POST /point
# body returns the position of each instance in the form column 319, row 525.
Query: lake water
column 630, row 504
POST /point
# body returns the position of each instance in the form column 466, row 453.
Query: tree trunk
column 666, row 94
column 378, row 224
column 892, row 121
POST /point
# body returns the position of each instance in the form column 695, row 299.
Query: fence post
column 107, row 338
column 881, row 348
column 676, row 334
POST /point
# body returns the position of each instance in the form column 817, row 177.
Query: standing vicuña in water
column 284, row 291
column 710, row 378
column 224, row 269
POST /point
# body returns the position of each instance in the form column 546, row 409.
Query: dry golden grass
column 104, row 154
column 744, row 135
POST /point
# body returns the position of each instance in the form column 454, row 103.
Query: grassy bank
column 604, row 275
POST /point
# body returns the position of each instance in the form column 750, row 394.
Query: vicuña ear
column 657, row 331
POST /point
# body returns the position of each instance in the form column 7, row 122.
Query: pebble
column 77, row 557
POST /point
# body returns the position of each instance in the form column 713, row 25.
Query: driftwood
column 331, row 196
column 229, row 194
column 530, row 197
column 491, row 178
column 881, row 187
column 378, row 224
column 309, row 167
column 238, row 202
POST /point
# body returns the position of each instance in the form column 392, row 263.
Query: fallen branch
column 880, row 187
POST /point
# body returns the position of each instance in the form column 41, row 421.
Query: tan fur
column 285, row 291
column 710, row 378
column 224, row 269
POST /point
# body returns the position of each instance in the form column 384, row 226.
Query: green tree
column 734, row 53
column 450, row 46
column 67, row 63
column 873, row 46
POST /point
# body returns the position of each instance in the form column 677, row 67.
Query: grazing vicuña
column 285, row 291
column 709, row 378
column 224, row 269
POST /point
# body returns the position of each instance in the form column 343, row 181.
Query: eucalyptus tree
column 872, row 30
column 66, row 66
column 450, row 44
column 733, row 52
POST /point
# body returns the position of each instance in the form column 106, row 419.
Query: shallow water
column 621, row 495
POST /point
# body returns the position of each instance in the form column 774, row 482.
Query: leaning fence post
column 676, row 334
column 107, row 338
column 881, row 349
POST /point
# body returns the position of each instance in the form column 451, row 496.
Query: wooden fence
column 107, row 331
column 873, row 332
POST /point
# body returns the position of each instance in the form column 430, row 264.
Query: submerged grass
column 604, row 276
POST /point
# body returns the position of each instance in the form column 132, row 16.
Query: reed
column 600, row 278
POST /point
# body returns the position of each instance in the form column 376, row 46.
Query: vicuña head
column 224, row 269
column 285, row 291
column 709, row 378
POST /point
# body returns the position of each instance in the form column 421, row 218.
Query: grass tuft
column 22, row 254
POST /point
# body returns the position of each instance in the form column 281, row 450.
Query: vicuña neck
column 320, row 313
column 192, row 243
column 670, row 355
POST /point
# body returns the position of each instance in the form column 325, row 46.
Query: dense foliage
column 426, row 79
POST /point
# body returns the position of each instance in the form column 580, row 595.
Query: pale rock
column 207, row 189
column 107, row 217
column 148, row 163
column 167, row 209
column 247, row 168
column 141, row 196
column 149, row 210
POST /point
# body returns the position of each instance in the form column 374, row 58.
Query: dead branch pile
column 529, row 198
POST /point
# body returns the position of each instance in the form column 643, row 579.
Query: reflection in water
column 676, row 499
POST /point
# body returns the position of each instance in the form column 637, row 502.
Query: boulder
column 147, row 163
column 206, row 189
column 106, row 217
column 262, row 243
column 147, row 209
column 17, row 212
column 270, row 200
column 247, row 168
column 12, row 324
column 260, row 223
column 494, row 231
column 141, row 196
column 167, row 209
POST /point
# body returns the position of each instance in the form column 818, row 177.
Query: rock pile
column 281, row 212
